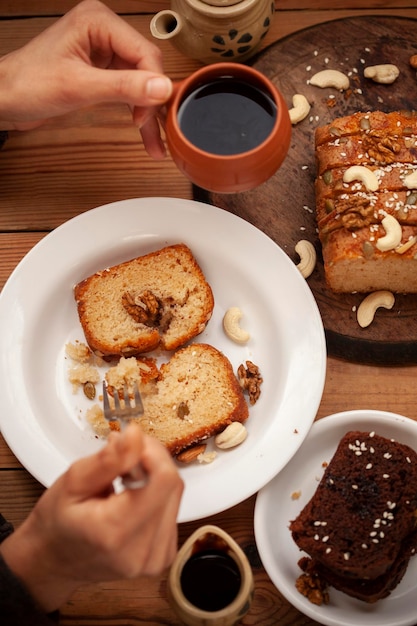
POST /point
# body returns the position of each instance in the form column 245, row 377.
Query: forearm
column 17, row 606
column 26, row 567
column 15, row 92
column 6, row 93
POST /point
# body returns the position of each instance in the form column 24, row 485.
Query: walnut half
column 310, row 584
column 250, row 380
column 313, row 589
column 381, row 147
column 145, row 308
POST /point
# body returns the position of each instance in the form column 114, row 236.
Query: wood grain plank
column 357, row 386
column 13, row 247
column 133, row 603
column 7, row 458
column 15, row 8
column 18, row 8
column 15, row 33
column 291, row 5
column 18, row 494
column 48, row 177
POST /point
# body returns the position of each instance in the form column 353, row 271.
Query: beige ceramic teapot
column 215, row 30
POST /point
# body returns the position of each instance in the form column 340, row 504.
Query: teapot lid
column 221, row 3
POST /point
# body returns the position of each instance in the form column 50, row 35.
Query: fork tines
column 128, row 411
column 137, row 477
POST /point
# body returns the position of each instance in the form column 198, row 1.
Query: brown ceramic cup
column 244, row 169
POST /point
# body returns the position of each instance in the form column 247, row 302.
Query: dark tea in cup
column 228, row 127
column 227, row 116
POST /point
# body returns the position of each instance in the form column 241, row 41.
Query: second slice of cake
column 359, row 528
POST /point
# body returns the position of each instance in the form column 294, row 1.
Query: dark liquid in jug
column 210, row 580
column 227, row 117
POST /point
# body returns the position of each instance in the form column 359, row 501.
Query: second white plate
column 275, row 508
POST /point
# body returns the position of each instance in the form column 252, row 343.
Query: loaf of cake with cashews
column 366, row 201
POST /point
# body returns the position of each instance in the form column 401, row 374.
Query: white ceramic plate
column 275, row 508
column 44, row 423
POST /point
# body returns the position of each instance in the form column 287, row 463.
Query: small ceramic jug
column 205, row 539
column 215, row 30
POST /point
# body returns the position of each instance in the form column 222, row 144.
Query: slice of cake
column 195, row 397
column 366, row 171
column 359, row 528
column 161, row 299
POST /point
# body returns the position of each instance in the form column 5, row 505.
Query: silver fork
column 137, row 477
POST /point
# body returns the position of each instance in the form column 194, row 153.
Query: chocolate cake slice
column 359, row 528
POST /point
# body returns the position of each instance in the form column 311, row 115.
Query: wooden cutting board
column 283, row 207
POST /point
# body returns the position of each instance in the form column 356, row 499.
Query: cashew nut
column 307, row 253
column 393, row 235
column 330, row 78
column 372, row 302
column 362, row 173
column 410, row 181
column 301, row 108
column 231, row 326
column 232, row 436
column 385, row 73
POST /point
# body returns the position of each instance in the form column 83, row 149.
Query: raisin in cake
column 351, row 208
column 161, row 299
column 359, row 528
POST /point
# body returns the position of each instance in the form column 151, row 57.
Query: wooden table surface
column 93, row 157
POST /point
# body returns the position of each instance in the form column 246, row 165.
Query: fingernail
column 159, row 88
